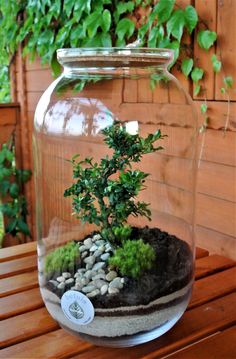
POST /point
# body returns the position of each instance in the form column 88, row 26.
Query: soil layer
column 172, row 270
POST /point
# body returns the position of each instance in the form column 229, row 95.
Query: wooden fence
column 10, row 126
column 216, row 189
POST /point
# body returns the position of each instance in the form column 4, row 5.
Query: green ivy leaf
column 125, row 27
column 163, row 10
column 152, row 37
column 122, row 8
column 4, row 187
column 197, row 74
column 55, row 66
column 206, row 39
column 23, row 227
column 191, row 18
column 68, row 6
column 228, row 81
column 175, row 24
column 203, row 108
column 174, row 45
column 186, row 66
column 106, row 20
column 14, row 190
column 216, row 63
column 11, row 226
column 197, row 89
column 92, row 22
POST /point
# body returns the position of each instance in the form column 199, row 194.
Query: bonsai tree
column 106, row 200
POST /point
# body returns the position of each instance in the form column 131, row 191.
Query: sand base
column 107, row 323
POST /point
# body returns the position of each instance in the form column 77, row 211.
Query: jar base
column 128, row 340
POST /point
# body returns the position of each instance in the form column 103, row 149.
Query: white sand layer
column 114, row 325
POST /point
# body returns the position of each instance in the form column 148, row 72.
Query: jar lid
column 115, row 57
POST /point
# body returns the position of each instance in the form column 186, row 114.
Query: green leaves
column 197, row 75
column 125, row 27
column 175, row 24
column 228, row 81
column 206, row 39
column 11, row 180
column 191, row 18
column 163, row 10
column 106, row 20
column 186, row 66
column 115, row 196
column 216, row 63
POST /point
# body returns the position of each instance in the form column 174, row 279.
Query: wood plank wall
column 216, row 186
column 10, row 125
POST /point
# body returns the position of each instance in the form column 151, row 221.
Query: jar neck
column 69, row 71
column 114, row 60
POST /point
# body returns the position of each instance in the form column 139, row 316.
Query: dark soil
column 172, row 271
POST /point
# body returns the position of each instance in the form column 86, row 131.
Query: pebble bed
column 94, row 277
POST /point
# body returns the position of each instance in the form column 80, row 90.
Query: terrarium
column 115, row 149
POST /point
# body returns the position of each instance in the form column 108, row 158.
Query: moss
column 63, row 258
column 133, row 258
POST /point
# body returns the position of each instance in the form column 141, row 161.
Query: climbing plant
column 46, row 25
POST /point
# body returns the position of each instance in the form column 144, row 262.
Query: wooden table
column 206, row 330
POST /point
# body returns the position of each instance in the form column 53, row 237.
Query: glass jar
column 98, row 108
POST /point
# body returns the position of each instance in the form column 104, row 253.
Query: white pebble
column 81, row 270
column 93, row 293
column 111, row 275
column 96, row 237
column 89, row 266
column 97, row 253
column 116, row 283
column 88, row 288
column 61, row 279
column 69, row 281
column 104, row 289
column 101, row 242
column 61, row 285
column 84, row 281
column 105, row 256
column 98, row 283
column 54, row 282
column 93, row 248
column 83, row 248
column 89, row 274
column 89, row 260
column 98, row 265
column 88, row 242
column 66, row 275
column 99, row 276
column 84, row 254
column 113, row 290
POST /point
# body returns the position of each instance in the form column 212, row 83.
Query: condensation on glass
column 97, row 87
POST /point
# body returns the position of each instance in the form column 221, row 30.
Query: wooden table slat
column 200, row 252
column 218, row 315
column 214, row 286
column 18, row 266
column 18, row 283
column 18, row 251
column 219, row 346
column 26, row 326
column 57, row 344
column 19, row 303
column 211, row 264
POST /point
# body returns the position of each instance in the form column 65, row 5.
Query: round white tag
column 77, row 307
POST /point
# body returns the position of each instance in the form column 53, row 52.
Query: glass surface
column 98, row 87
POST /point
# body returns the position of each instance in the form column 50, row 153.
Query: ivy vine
column 43, row 26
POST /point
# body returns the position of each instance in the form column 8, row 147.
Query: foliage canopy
column 46, row 25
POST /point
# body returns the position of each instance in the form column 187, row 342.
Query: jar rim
column 115, row 54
